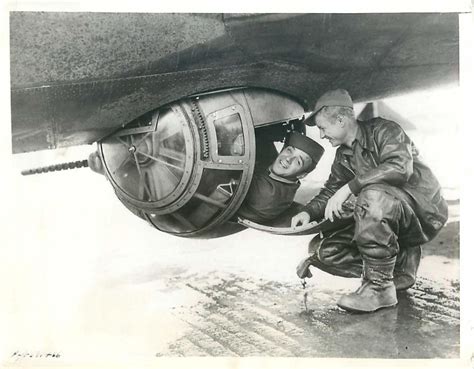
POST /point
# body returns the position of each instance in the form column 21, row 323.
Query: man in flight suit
column 399, row 205
column 273, row 187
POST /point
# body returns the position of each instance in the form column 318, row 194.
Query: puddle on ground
column 254, row 317
column 424, row 324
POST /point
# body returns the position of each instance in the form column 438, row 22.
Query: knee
column 376, row 205
column 376, row 216
column 324, row 252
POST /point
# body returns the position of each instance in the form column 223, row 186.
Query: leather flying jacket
column 383, row 153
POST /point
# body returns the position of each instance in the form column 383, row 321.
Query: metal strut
column 57, row 167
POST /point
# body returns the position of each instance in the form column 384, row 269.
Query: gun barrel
column 57, row 167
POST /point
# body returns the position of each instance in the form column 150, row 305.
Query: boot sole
column 354, row 310
column 404, row 288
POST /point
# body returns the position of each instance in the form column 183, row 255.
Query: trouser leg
column 387, row 224
column 387, row 227
column 378, row 219
column 377, row 227
column 335, row 253
column 408, row 260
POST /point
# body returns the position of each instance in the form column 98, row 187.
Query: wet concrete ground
column 99, row 286
column 244, row 317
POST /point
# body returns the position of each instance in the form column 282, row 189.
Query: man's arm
column 394, row 160
column 315, row 207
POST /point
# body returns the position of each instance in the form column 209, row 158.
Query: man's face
column 291, row 162
column 331, row 129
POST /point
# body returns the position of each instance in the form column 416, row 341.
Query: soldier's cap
column 309, row 146
column 337, row 97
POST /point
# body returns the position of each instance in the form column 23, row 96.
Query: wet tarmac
column 107, row 296
column 237, row 316
column 243, row 317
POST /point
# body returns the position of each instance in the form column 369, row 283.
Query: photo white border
column 359, row 6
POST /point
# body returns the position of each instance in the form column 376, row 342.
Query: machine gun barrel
column 57, row 167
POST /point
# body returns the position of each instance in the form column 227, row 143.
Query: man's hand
column 334, row 205
column 301, row 219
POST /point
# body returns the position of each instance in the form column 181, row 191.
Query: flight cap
column 337, row 97
column 309, row 146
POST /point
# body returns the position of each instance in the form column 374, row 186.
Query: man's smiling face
column 331, row 129
column 291, row 162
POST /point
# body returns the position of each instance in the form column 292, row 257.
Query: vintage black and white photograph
column 233, row 185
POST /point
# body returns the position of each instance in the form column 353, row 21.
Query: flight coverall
column 399, row 202
column 268, row 197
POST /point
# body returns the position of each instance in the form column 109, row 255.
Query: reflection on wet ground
column 244, row 317
column 424, row 324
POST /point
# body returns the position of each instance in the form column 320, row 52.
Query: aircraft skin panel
column 70, row 47
column 336, row 42
column 32, row 121
column 107, row 105
column 77, row 77
column 370, row 84
column 67, row 47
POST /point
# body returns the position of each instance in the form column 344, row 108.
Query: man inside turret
column 273, row 187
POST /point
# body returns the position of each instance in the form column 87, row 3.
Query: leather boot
column 377, row 290
column 408, row 260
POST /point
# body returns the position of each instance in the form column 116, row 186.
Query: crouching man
column 273, row 188
column 399, row 205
